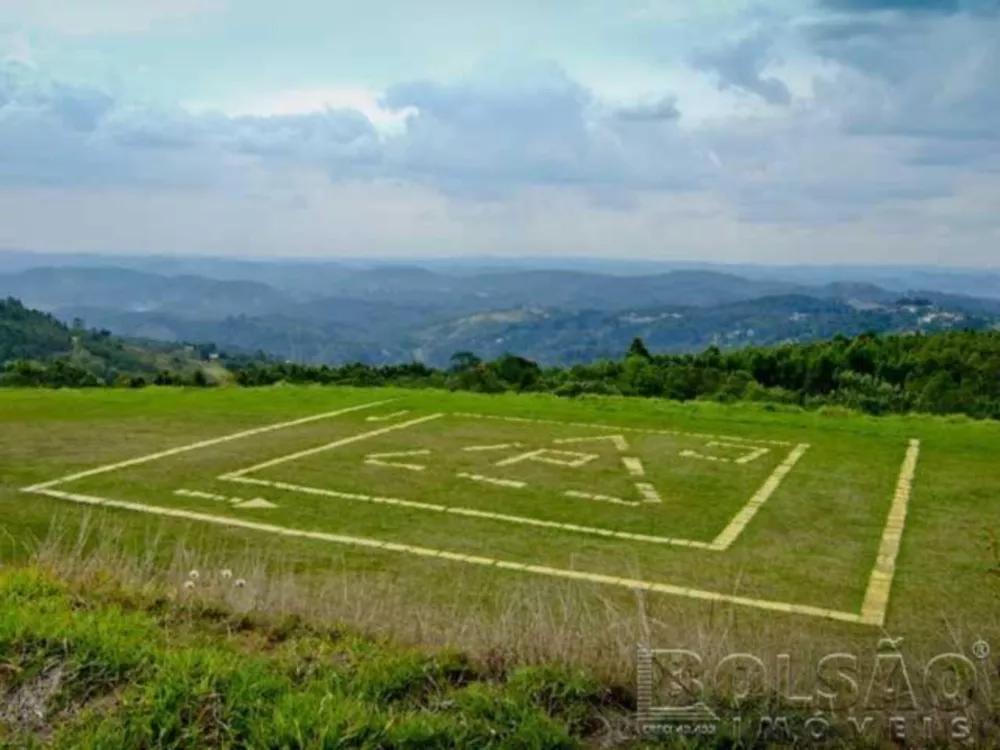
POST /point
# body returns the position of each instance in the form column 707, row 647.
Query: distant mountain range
column 553, row 337
column 320, row 311
column 297, row 274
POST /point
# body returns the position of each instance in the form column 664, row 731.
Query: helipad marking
column 770, row 486
column 619, row 428
column 600, row 498
column 876, row 599
column 876, row 602
column 257, row 502
column 378, row 459
column 618, row 440
column 703, row 457
column 633, row 466
column 648, row 492
column 511, row 483
column 330, row 446
column 395, row 465
column 471, row 513
column 205, row 444
column 387, row 417
column 498, row 447
column 236, row 502
column 199, row 495
column 753, row 456
column 549, row 456
column 375, row 544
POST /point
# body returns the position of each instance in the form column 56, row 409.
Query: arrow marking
column 619, row 440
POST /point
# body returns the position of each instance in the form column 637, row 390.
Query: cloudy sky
column 775, row 131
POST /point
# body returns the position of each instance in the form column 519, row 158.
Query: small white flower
column 227, row 573
column 189, row 584
column 194, row 575
column 239, row 583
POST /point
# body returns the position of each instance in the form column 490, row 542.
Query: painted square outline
column 873, row 610
column 721, row 542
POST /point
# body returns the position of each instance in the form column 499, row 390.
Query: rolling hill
column 61, row 289
column 398, row 313
column 553, row 337
column 31, row 338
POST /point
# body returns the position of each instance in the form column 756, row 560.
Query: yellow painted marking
column 206, row 444
column 703, row 457
column 330, row 446
column 512, row 483
column 549, row 456
column 377, row 459
column 618, row 441
column 236, row 502
column 770, row 486
column 599, row 498
column 499, row 447
column 753, row 456
column 395, row 465
column 648, row 492
column 573, row 459
column 387, row 417
column 633, row 466
column 876, row 596
column 521, row 457
column 876, row 602
column 340, row 495
column 469, row 513
column 750, row 454
column 201, row 495
column 257, row 502
column 375, row 544
column 645, row 430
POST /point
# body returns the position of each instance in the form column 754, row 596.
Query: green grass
column 110, row 670
column 813, row 543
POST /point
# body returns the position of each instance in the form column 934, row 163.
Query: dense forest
column 942, row 373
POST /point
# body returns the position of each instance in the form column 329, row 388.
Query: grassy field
column 108, row 670
column 537, row 528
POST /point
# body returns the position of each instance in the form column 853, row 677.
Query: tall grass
column 541, row 622
column 567, row 625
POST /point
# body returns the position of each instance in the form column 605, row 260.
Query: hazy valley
column 334, row 312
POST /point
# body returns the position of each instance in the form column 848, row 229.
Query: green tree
column 462, row 361
column 638, row 349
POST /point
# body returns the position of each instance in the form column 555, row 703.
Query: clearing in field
column 662, row 510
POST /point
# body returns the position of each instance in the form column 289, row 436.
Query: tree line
column 943, row 373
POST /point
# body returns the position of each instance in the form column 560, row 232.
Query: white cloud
column 307, row 101
column 923, row 75
column 883, row 146
column 741, row 66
